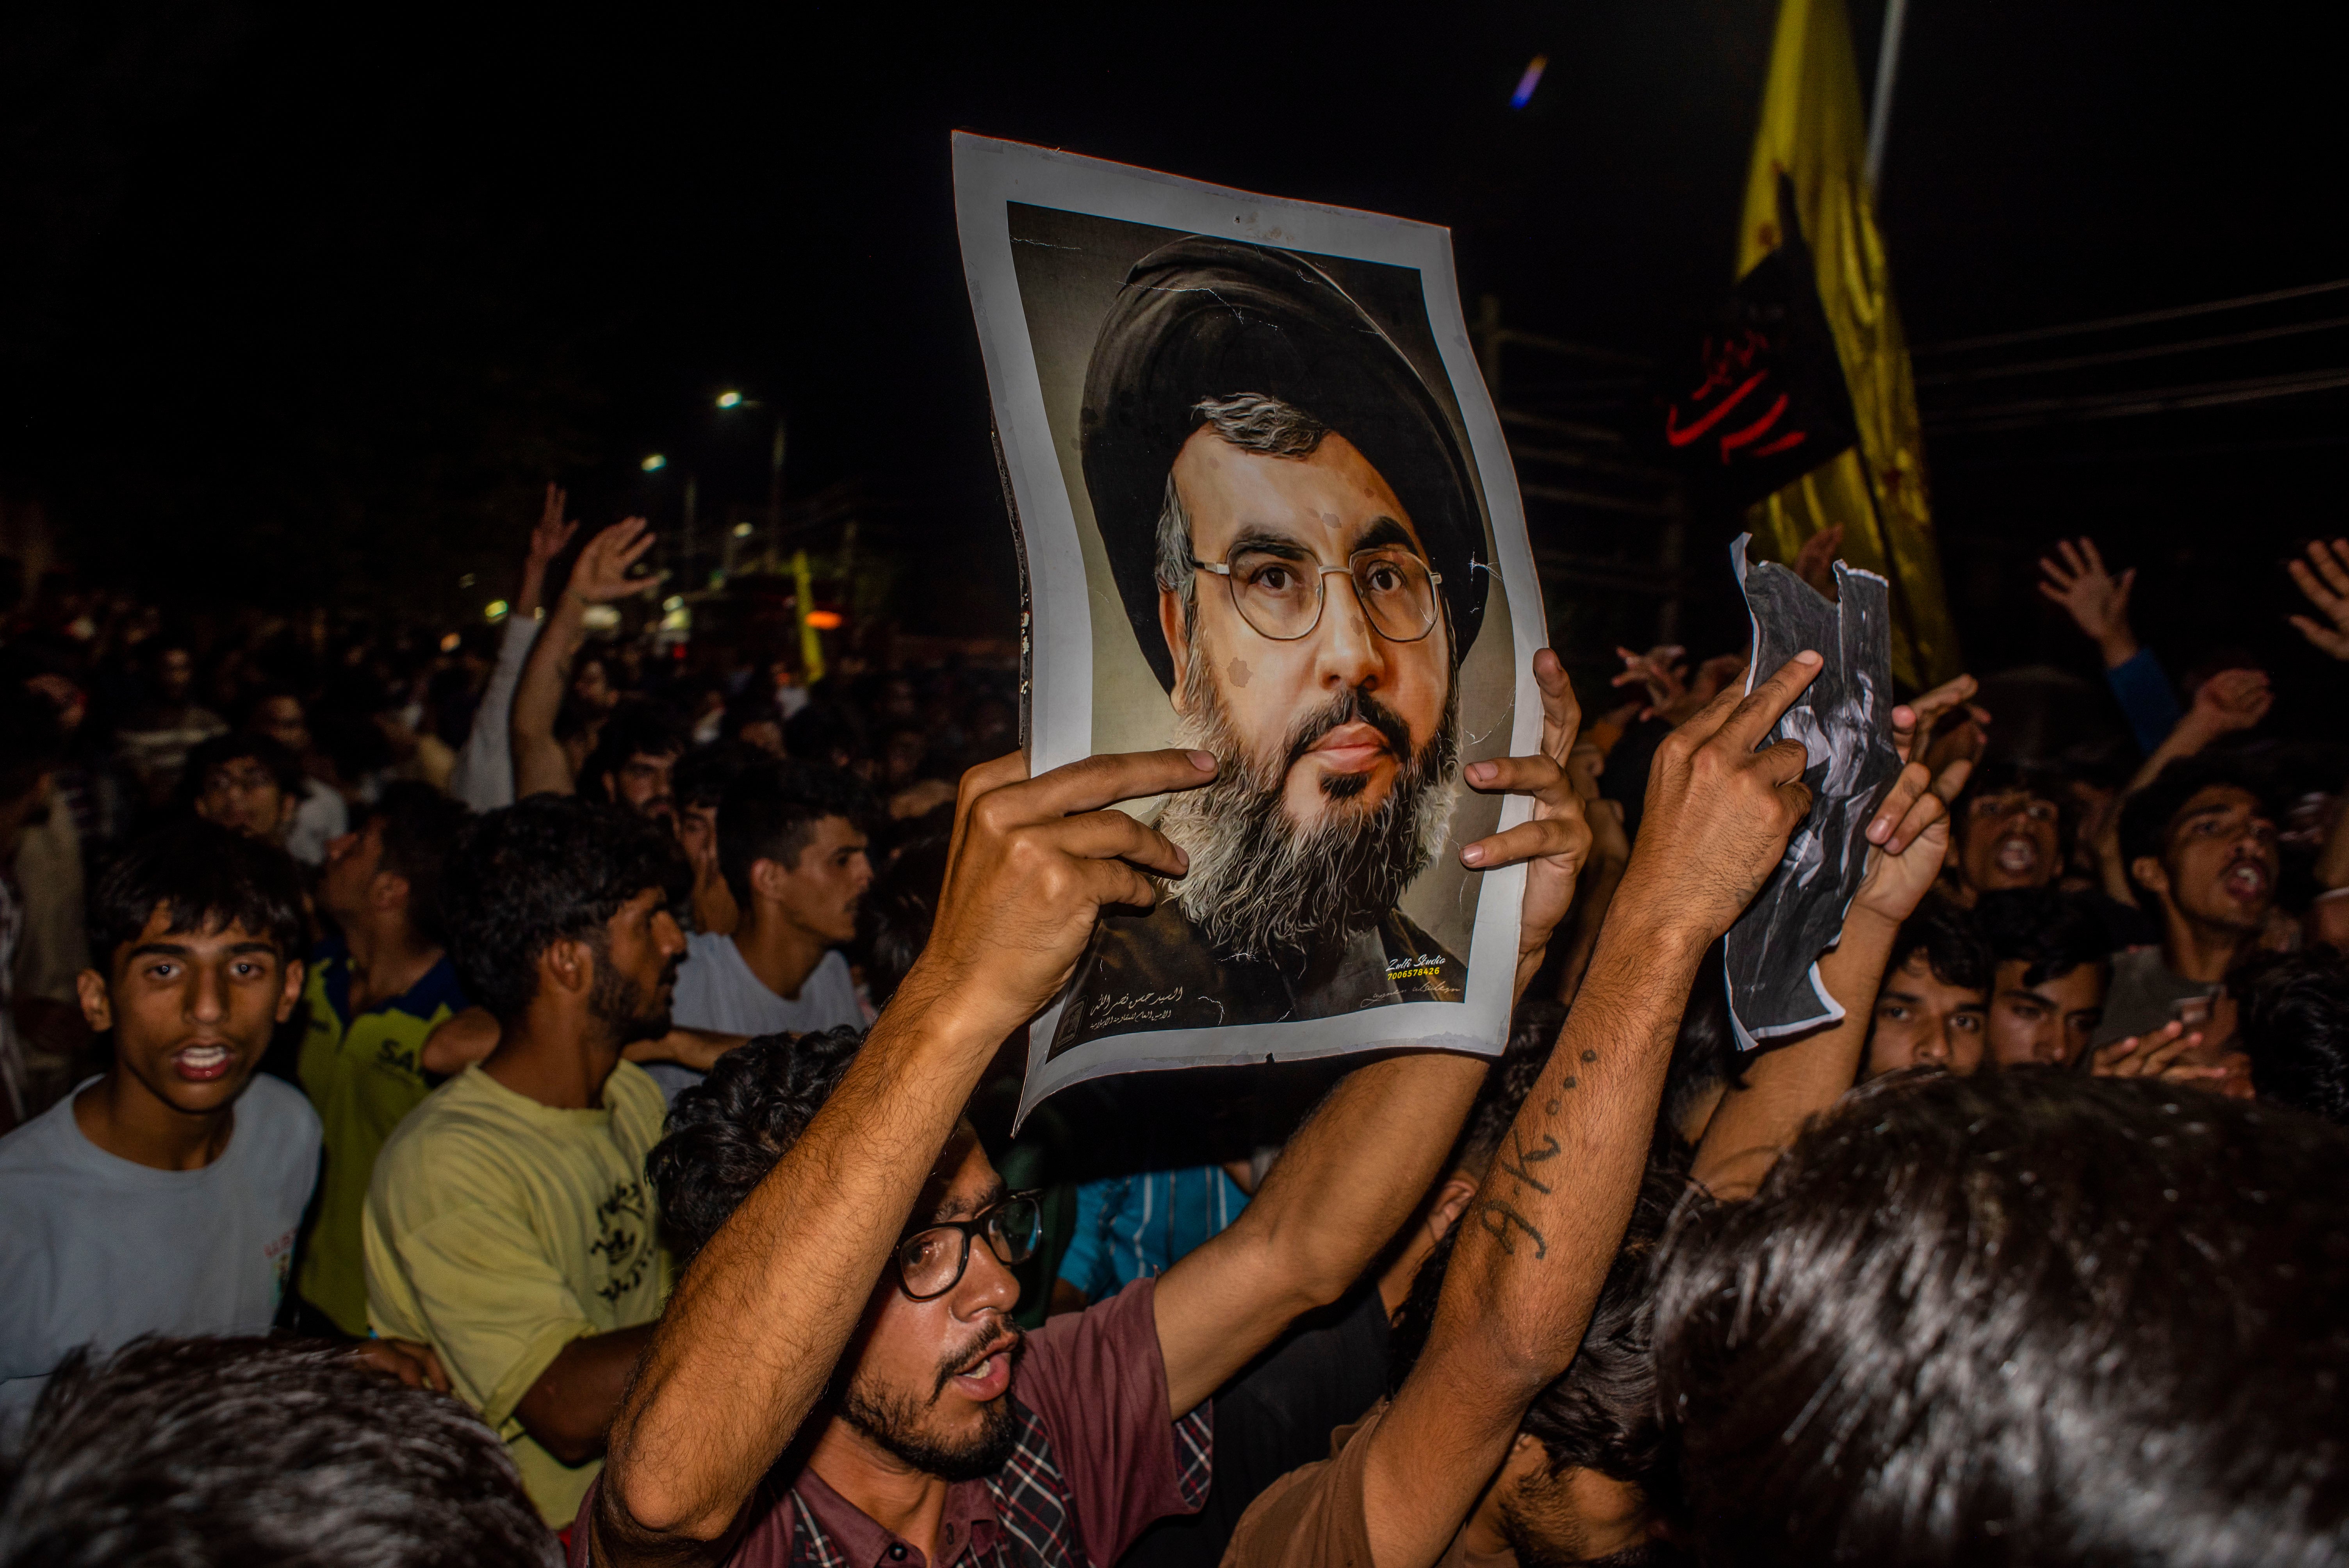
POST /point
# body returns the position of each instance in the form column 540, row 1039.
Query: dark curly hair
column 2049, row 931
column 638, row 728
column 726, row 1133
column 257, row 1453
column 420, row 828
column 896, row 914
column 2295, row 1028
column 1952, row 944
column 284, row 768
column 770, row 814
column 2015, row 1318
column 1600, row 1413
column 544, row 870
column 2147, row 816
column 207, row 878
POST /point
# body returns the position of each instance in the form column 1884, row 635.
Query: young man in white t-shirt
column 163, row 1196
column 791, row 844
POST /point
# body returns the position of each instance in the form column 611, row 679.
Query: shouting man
column 1294, row 536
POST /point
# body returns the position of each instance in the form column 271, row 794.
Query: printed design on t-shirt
column 280, row 1256
column 624, row 1239
column 401, row 1056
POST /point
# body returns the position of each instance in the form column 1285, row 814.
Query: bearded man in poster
column 1287, row 510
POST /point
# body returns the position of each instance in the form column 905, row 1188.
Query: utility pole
column 1880, row 112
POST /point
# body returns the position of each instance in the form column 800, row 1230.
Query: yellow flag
column 1812, row 131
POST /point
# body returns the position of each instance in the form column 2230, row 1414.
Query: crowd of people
column 550, row 1097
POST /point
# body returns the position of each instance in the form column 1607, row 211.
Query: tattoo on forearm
column 1504, row 1223
column 1517, row 1167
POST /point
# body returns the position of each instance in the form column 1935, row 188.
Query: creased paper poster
column 1265, row 509
column 1844, row 722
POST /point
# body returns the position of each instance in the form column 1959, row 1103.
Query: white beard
column 1259, row 886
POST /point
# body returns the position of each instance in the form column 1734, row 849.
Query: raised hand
column 1555, row 845
column 2097, row 601
column 2229, row 701
column 2323, row 577
column 1661, row 671
column 547, row 539
column 1814, row 561
column 1913, row 723
column 1909, row 836
column 601, row 573
column 1032, row 863
column 1718, row 812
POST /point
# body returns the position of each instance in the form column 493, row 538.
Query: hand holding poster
column 1845, row 723
column 1265, row 509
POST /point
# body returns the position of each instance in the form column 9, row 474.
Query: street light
column 733, row 400
column 654, row 464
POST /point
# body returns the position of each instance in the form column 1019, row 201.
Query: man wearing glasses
column 1287, row 513
column 837, row 1380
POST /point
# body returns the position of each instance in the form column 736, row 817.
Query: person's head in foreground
column 2295, row 1028
column 634, row 753
column 792, row 845
column 1933, row 1007
column 927, row 1378
column 257, row 1453
column 2199, row 842
column 248, row 782
column 1295, row 541
column 2051, row 970
column 1589, row 1478
column 2019, row 1318
column 2008, row 830
column 193, row 937
column 554, row 903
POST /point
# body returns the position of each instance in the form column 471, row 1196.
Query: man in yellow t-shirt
column 374, row 994
column 508, row 1222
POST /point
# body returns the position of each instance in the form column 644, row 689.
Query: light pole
column 732, row 399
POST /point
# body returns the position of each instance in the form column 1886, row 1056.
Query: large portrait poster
column 1264, row 509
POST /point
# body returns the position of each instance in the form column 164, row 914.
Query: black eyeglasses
column 1281, row 593
column 933, row 1260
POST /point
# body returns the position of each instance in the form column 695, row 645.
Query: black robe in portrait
column 1157, row 972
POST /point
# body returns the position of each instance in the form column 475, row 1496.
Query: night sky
column 303, row 303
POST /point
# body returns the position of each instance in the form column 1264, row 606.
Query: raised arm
column 1785, row 1087
column 483, row 776
column 598, row 577
column 1545, row 1229
column 760, row 1320
column 1351, row 1177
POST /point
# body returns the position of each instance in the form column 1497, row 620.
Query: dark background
column 300, row 306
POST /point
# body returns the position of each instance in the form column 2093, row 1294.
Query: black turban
column 1206, row 318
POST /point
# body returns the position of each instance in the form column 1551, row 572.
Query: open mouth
column 2016, row 855
column 2246, row 880
column 203, row 1062
column 986, row 1374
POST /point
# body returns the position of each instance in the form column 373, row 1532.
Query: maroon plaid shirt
column 1099, row 1458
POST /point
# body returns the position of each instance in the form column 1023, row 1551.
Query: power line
column 2174, row 313
column 2028, row 412
column 2125, row 356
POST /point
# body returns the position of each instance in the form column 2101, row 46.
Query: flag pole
column 1880, row 112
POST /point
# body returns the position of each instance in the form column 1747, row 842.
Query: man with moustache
column 2200, row 843
column 1289, row 519
column 508, row 1224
